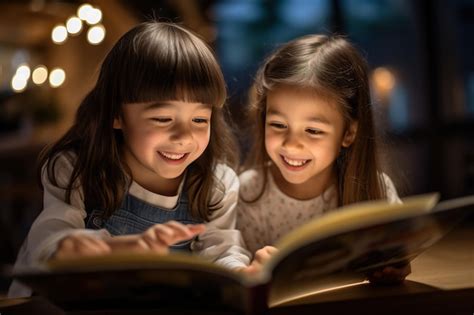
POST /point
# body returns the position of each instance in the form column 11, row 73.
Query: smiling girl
column 141, row 169
column 314, row 148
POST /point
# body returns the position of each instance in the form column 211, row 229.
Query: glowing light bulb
column 57, row 77
column 59, row 34
column 74, row 25
column 40, row 75
column 96, row 34
column 83, row 11
column 23, row 72
column 384, row 79
column 94, row 16
column 18, row 83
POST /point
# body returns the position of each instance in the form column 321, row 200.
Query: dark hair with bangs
column 334, row 69
column 152, row 62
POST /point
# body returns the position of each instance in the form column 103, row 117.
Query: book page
column 355, row 216
column 346, row 258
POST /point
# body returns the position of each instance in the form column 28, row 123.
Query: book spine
column 257, row 300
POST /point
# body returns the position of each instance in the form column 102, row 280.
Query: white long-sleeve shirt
column 275, row 214
column 220, row 243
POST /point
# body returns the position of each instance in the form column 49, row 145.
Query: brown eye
column 201, row 120
column 277, row 125
column 161, row 119
column 312, row 131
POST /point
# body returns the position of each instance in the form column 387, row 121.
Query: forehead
column 299, row 102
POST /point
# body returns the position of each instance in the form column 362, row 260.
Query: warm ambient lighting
column 88, row 13
column 96, row 34
column 23, row 72
column 384, row 79
column 18, row 83
column 83, row 11
column 20, row 79
column 40, row 75
column 94, row 16
column 59, row 34
column 74, row 25
column 57, row 77
column 339, row 287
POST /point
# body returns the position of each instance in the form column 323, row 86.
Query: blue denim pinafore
column 135, row 216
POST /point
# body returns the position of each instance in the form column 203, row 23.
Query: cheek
column 203, row 137
column 152, row 135
column 149, row 138
column 137, row 133
column 271, row 141
column 329, row 149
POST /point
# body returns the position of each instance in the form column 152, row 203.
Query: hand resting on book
column 260, row 258
column 156, row 239
column 393, row 274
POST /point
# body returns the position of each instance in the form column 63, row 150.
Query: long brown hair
column 153, row 61
column 336, row 70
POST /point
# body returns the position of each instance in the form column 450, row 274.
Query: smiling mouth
column 294, row 163
column 176, row 157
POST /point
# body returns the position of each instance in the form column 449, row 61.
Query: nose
column 292, row 141
column 181, row 134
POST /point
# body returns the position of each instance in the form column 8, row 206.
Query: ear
column 350, row 134
column 117, row 123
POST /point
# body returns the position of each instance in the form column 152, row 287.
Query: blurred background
column 421, row 69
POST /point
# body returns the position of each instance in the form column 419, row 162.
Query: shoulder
column 251, row 183
column 226, row 176
column 60, row 166
column 63, row 159
column 226, row 183
column 250, row 176
column 390, row 189
column 57, row 178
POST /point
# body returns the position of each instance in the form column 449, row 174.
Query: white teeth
column 295, row 162
column 172, row 156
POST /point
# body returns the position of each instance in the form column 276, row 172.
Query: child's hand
column 81, row 245
column 159, row 237
column 394, row 274
column 261, row 257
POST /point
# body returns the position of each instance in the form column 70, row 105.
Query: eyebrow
column 316, row 119
column 160, row 104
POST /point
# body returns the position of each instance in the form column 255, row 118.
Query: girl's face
column 162, row 139
column 303, row 136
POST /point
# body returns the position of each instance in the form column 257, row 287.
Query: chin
column 296, row 180
column 170, row 174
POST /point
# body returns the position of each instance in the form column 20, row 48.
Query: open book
column 335, row 250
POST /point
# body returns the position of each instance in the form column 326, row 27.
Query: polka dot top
column 275, row 214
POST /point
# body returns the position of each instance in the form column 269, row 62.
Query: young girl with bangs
column 142, row 169
column 314, row 148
